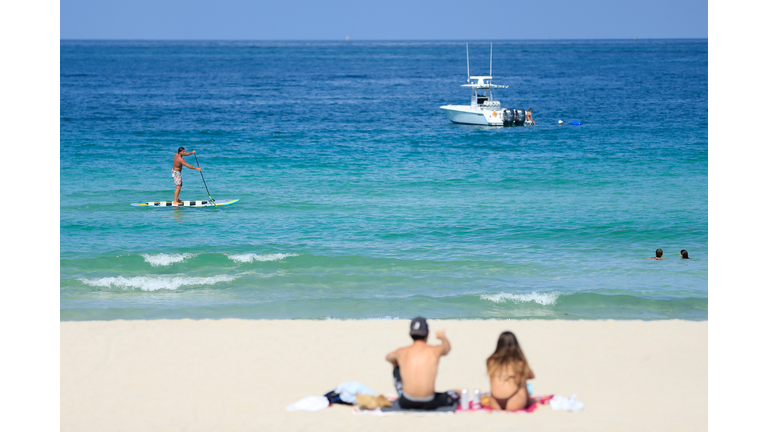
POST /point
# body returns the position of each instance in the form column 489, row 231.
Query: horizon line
column 377, row 40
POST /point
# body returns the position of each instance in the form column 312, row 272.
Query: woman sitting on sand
column 509, row 371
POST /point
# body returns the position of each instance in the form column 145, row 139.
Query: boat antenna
column 467, row 61
column 491, row 59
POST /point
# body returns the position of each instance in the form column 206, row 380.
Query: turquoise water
column 359, row 199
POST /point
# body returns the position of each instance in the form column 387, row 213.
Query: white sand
column 233, row 375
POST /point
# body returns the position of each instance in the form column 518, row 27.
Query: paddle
column 213, row 201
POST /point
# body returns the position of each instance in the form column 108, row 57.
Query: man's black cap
column 419, row 327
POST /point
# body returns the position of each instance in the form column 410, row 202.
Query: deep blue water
column 360, row 199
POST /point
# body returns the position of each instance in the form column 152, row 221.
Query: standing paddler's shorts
column 176, row 177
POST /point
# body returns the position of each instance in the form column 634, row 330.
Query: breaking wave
column 146, row 283
column 251, row 257
column 546, row 299
column 163, row 260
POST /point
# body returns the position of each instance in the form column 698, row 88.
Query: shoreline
column 236, row 374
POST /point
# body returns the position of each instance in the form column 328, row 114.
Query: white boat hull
column 465, row 114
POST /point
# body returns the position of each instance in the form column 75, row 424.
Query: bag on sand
column 335, row 398
column 371, row 402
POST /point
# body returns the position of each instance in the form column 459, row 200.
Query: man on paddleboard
column 178, row 161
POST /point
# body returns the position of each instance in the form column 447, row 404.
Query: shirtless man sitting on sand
column 416, row 370
column 178, row 161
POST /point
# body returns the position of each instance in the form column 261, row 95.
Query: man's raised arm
column 446, row 347
column 188, row 153
column 392, row 358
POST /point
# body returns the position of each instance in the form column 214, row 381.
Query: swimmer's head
column 684, row 254
column 659, row 253
column 181, row 149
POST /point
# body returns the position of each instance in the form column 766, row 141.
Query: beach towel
column 397, row 409
column 537, row 402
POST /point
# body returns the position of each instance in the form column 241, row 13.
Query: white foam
column 162, row 259
column 278, row 273
column 251, row 257
column 546, row 299
column 146, row 283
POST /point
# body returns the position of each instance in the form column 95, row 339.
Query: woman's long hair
column 508, row 356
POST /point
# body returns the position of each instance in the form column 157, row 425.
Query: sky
column 382, row 20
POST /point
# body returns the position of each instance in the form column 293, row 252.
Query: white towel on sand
column 309, row 403
column 571, row 404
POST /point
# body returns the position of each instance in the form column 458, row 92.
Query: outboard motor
column 519, row 117
column 514, row 117
column 508, row 117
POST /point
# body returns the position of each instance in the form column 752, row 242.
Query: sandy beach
column 233, row 375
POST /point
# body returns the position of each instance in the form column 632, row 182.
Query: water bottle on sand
column 476, row 400
column 464, row 399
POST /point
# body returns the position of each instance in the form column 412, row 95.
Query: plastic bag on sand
column 309, row 403
column 571, row 404
column 371, row 402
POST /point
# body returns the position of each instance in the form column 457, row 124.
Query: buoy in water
column 559, row 122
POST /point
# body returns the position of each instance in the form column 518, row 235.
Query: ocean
column 359, row 199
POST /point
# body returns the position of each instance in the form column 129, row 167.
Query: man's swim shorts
column 176, row 177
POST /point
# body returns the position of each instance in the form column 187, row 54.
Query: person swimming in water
column 659, row 253
column 684, row 254
column 508, row 370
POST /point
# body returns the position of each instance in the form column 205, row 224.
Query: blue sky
column 382, row 20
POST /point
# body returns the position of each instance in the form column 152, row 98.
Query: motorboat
column 482, row 109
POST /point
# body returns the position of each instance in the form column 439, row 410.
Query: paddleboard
column 200, row 203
